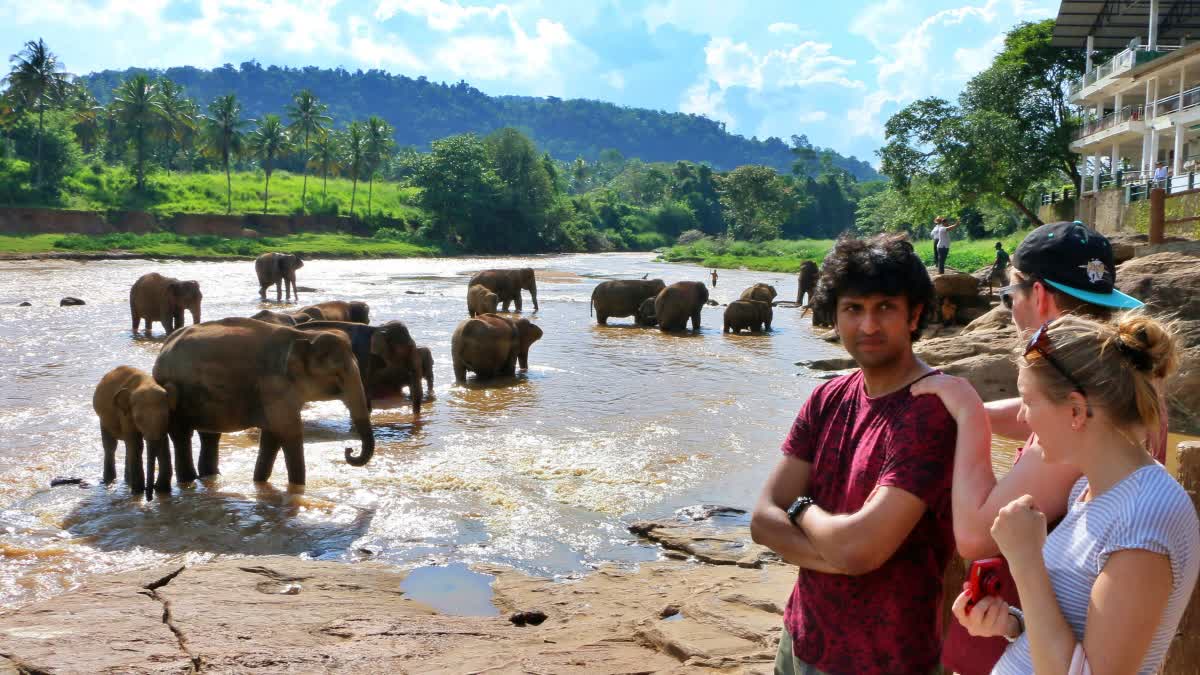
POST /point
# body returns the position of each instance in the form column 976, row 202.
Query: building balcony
column 1102, row 75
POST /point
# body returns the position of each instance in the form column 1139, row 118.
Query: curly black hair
column 885, row 264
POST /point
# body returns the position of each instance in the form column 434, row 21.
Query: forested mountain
column 422, row 111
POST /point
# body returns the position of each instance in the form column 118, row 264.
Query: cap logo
column 1095, row 270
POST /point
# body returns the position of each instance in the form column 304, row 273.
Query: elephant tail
column 591, row 301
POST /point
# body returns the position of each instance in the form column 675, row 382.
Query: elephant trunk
column 196, row 314
column 533, row 295
column 355, row 398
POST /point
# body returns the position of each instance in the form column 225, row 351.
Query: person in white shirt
column 941, row 241
column 1160, row 175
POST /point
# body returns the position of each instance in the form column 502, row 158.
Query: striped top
column 1146, row 510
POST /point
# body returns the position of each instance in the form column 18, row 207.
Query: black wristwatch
column 798, row 507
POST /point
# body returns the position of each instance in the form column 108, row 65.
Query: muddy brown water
column 543, row 472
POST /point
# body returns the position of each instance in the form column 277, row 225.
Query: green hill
column 423, row 111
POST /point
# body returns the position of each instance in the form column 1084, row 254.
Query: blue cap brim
column 1115, row 299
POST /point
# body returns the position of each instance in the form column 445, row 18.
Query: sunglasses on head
column 1040, row 347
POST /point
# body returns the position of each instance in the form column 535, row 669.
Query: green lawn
column 167, row 244
column 785, row 255
column 111, row 189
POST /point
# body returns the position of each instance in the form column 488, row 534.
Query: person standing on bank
column 941, row 241
column 714, row 278
column 860, row 501
column 1059, row 268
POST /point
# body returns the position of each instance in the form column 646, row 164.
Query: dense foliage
column 422, row 112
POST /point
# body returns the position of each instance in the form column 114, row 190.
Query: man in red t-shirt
column 861, row 498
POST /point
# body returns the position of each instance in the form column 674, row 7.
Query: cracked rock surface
column 282, row 614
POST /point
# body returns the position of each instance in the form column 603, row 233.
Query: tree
column 88, row 116
column 36, row 78
column 354, row 144
column 327, row 156
column 268, row 142
column 177, row 120
column 379, row 146
column 526, row 192
column 139, row 111
column 224, row 128
column 579, row 174
column 757, row 202
column 458, row 187
column 308, row 119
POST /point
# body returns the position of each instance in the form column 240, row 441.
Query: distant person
column 999, row 273
column 863, row 488
column 714, row 278
column 1160, row 175
column 1110, row 584
column 941, row 241
column 1059, row 268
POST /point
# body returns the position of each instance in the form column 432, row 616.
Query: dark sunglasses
column 1040, row 345
column 1006, row 292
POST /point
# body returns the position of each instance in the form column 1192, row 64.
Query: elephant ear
column 121, row 400
column 327, row 348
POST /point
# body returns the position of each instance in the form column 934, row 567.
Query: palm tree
column 579, row 171
column 88, row 116
column 139, row 111
column 8, row 118
column 178, row 119
column 226, row 140
column 269, row 141
column 379, row 146
column 355, row 147
column 327, row 156
column 35, row 78
column 308, row 119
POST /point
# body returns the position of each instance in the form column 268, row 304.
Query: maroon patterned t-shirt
column 886, row 621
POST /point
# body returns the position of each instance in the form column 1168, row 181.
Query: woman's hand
column 957, row 394
column 988, row 618
column 1020, row 531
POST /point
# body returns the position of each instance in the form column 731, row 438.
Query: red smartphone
column 983, row 580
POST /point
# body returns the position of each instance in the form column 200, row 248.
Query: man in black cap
column 1059, row 268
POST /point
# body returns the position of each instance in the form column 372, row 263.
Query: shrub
column 690, row 237
column 390, row 233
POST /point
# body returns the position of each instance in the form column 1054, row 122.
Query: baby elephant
column 133, row 408
column 480, row 300
column 491, row 345
column 753, row 315
column 337, row 310
column 154, row 297
column 760, row 291
column 645, row 315
column 426, row 368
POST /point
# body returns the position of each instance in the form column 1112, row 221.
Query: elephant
column 645, row 315
column 133, row 408
column 386, row 355
column 236, row 373
column 622, row 297
column 679, row 302
column 491, row 345
column 508, row 284
column 809, row 273
column 338, row 310
column 154, row 297
column 761, row 292
column 281, row 319
column 278, row 268
column 753, row 315
column 482, row 301
column 426, row 368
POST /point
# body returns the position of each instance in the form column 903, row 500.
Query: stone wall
column 60, row 221
column 1064, row 209
column 1179, row 205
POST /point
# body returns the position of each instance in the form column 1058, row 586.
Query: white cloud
column 783, row 27
column 735, row 64
column 615, row 79
column 440, row 15
column 711, row 17
column 813, row 116
column 520, row 57
column 378, row 52
column 703, row 98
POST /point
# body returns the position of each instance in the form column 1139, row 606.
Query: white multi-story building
column 1142, row 105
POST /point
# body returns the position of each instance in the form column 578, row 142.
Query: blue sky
column 831, row 70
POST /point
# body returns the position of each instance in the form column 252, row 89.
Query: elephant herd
column 238, row 373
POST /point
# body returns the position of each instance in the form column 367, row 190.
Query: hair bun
column 1147, row 345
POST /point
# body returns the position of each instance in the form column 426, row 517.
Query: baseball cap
column 1074, row 259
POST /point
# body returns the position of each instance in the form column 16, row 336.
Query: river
column 609, row 425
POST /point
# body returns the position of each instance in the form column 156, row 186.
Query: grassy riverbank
column 165, row 244
column 783, row 255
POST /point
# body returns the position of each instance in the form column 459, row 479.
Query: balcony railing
column 1112, row 119
column 1177, row 102
column 1126, row 60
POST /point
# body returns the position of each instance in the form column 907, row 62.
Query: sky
column 833, row 71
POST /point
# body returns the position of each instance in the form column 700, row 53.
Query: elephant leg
column 268, row 449
column 133, row 460
column 696, row 320
column 136, row 320
column 185, row 469
column 601, row 319
column 460, row 372
column 293, row 457
column 510, row 364
column 504, row 306
column 178, row 320
column 110, row 457
column 160, row 451
column 517, row 301
column 279, row 291
column 262, row 290
column 209, row 457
